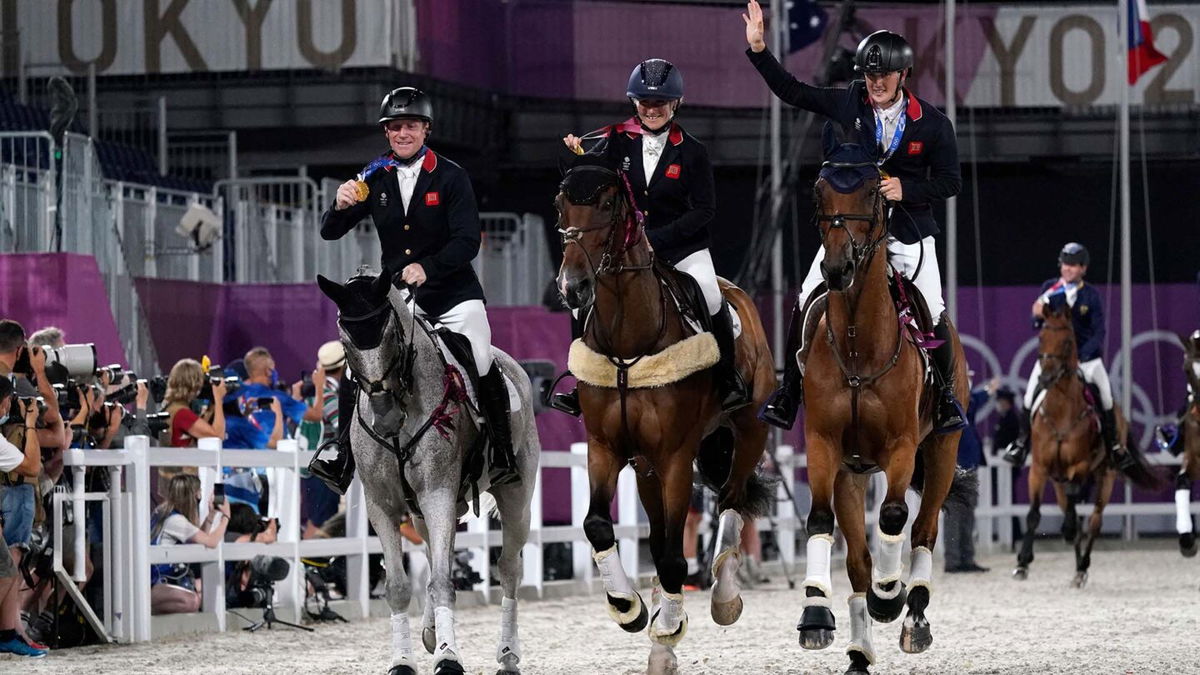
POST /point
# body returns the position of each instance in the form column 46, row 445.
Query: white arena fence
column 128, row 555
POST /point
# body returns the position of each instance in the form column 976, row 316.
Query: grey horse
column 397, row 396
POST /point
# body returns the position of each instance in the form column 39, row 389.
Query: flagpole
column 1126, row 238
column 778, row 19
column 952, row 202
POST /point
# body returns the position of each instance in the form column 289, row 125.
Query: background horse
column 1068, row 447
column 608, row 269
column 1189, row 429
column 409, row 432
column 866, row 412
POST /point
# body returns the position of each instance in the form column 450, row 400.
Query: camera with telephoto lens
column 128, row 393
column 158, row 422
column 215, row 375
column 77, row 361
column 28, row 401
column 265, row 570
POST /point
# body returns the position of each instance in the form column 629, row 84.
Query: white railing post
column 785, row 461
column 984, row 524
column 358, row 574
column 139, row 576
column 213, row 573
column 480, row 555
column 117, row 535
column 285, row 499
column 581, row 550
column 533, row 554
column 78, row 512
column 627, row 516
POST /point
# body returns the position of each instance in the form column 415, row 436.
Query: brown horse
column 1189, row 430
column 1068, row 447
column 609, row 270
column 869, row 409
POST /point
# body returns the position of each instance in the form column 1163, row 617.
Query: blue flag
column 806, row 23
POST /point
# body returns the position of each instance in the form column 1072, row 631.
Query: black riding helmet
column 1074, row 254
column 883, row 52
column 655, row 79
column 405, row 102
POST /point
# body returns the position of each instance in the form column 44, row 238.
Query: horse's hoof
column 1080, row 580
column 448, row 667
column 886, row 610
column 1187, row 544
column 1021, row 573
column 402, row 670
column 662, row 661
column 514, row 671
column 429, row 639
column 858, row 664
column 816, row 627
column 728, row 613
column 915, row 636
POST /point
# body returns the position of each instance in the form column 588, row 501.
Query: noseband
column 634, row 225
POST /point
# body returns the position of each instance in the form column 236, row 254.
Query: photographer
column 25, row 461
column 174, row 588
column 247, row 582
column 318, row 502
column 183, row 387
column 17, row 358
column 264, row 423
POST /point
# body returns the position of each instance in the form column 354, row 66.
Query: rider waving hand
column 919, row 159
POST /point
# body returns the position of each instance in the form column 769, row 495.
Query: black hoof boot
column 1187, row 544
column 858, row 664
column 915, row 636
column 401, row 670
column 622, row 605
column 448, row 667
column 816, row 627
column 886, row 611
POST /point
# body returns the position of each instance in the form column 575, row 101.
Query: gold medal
column 361, row 190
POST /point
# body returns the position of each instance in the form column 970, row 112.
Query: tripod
column 268, row 618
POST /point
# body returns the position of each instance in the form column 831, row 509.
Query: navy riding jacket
column 439, row 229
column 926, row 161
column 1087, row 318
column 679, row 200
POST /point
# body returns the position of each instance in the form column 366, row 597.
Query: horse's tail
column 963, row 487
column 1142, row 474
column 715, row 460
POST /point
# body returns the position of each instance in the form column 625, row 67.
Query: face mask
column 4, row 418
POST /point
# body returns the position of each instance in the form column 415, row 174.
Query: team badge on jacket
column 915, row 147
column 383, row 199
column 673, row 171
column 1083, row 309
column 431, row 199
column 625, row 164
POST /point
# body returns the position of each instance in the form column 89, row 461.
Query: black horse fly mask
column 587, row 185
column 367, row 318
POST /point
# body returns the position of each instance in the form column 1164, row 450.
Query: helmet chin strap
column 666, row 125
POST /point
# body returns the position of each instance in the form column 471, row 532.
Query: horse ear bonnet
column 589, row 176
column 847, row 165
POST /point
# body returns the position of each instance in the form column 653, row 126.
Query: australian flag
column 806, row 23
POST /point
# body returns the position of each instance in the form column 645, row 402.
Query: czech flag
column 1142, row 54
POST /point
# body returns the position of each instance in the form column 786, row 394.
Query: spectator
column 26, row 461
column 1008, row 427
column 174, row 588
column 318, row 501
column 262, row 426
column 960, row 516
column 183, row 387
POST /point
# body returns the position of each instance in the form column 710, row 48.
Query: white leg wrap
column 508, row 653
column 670, row 622
column 820, row 549
column 860, row 627
column 728, row 558
column 887, row 564
column 402, row 651
column 922, row 568
column 447, row 646
column 1183, row 513
column 616, row 583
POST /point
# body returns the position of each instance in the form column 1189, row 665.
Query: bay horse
column 1067, row 446
column 869, row 408
column 657, row 407
column 1189, row 429
column 411, row 437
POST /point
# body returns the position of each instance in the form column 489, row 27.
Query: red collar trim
column 676, row 134
column 632, row 128
column 430, row 162
column 914, row 106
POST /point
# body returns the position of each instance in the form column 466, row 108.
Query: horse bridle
column 866, row 250
column 613, row 254
column 1049, row 377
column 402, row 362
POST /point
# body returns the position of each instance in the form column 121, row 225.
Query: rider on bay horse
column 919, row 158
column 672, row 182
column 424, row 210
column 1169, row 437
column 1087, row 318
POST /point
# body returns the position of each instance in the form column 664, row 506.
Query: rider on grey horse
column 919, row 160
column 424, row 211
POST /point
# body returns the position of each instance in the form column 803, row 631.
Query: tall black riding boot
column 731, row 388
column 1117, row 452
column 1018, row 450
column 333, row 463
column 569, row 402
column 948, row 412
column 780, row 409
column 493, row 398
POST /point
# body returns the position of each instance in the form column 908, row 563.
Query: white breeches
column 905, row 258
column 1093, row 371
column 699, row 266
column 470, row 319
